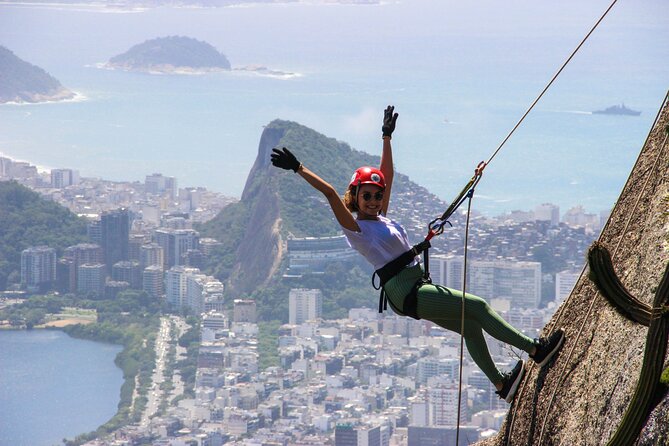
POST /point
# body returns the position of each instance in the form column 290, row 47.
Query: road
column 156, row 395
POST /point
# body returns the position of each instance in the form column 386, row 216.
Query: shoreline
column 42, row 169
column 74, row 98
column 128, row 8
column 113, row 360
column 167, row 70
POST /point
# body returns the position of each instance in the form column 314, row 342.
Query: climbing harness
column 436, row 227
column 391, row 269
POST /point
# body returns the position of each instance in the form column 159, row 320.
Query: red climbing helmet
column 367, row 175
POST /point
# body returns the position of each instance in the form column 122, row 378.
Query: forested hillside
column 277, row 204
column 174, row 51
column 21, row 81
column 27, row 219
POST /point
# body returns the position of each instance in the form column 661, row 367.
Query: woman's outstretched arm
column 286, row 160
column 386, row 167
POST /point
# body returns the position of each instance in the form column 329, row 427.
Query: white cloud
column 360, row 124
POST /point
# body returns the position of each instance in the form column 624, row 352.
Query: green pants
column 442, row 306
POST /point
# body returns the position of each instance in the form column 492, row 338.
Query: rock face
column 263, row 233
column 582, row 396
column 174, row 54
column 276, row 203
column 23, row 82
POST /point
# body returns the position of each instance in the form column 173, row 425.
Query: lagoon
column 53, row 386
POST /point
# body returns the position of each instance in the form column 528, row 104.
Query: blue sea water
column 460, row 74
column 54, row 387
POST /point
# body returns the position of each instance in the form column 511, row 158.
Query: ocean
column 459, row 73
column 54, row 387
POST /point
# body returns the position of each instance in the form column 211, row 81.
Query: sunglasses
column 367, row 196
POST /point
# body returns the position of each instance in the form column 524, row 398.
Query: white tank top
column 379, row 241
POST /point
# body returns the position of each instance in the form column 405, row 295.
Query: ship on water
column 617, row 110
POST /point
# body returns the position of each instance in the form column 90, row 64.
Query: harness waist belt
column 390, row 270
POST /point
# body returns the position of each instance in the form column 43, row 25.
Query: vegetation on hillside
column 20, row 80
column 188, row 367
column 176, row 51
column 303, row 213
column 228, row 227
column 27, row 219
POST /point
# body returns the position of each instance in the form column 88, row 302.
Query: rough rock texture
column 581, row 397
column 263, row 236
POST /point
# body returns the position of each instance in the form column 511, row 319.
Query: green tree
column 27, row 219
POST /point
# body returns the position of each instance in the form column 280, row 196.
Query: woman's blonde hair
column 349, row 201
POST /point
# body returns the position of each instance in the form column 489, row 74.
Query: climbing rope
column 469, row 196
column 615, row 251
column 550, row 83
column 437, row 225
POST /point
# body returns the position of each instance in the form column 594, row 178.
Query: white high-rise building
column 61, row 178
column 175, row 244
column 304, row 305
column 548, row 212
column 578, row 218
column 519, row 282
column 432, row 366
column 189, row 289
column 151, row 254
column 158, row 184
column 442, row 399
column 447, row 270
column 91, row 279
column 564, row 283
column 419, row 412
column 195, row 290
column 175, row 285
column 38, row 268
column 152, row 280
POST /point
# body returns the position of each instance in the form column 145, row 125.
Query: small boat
column 617, row 110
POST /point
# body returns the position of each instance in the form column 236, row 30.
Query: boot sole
column 516, row 383
column 553, row 352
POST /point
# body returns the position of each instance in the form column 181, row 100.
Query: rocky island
column 181, row 55
column 22, row 82
column 171, row 55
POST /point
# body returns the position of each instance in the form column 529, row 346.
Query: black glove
column 285, row 159
column 389, row 121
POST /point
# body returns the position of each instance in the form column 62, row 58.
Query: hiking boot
column 511, row 381
column 547, row 347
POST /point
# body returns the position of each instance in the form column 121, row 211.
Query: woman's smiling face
column 370, row 201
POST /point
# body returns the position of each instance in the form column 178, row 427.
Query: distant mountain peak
column 276, row 203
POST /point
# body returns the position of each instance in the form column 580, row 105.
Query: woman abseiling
column 381, row 241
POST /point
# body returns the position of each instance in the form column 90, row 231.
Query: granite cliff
column 584, row 395
column 276, row 204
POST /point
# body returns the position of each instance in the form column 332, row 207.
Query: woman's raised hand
column 389, row 119
column 285, row 159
